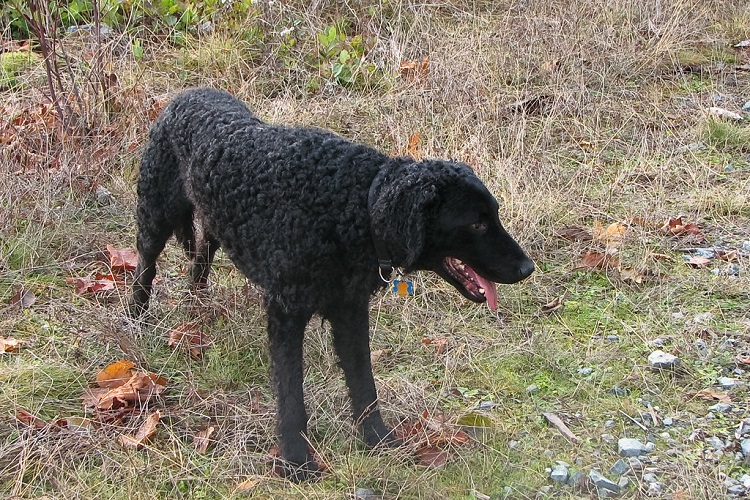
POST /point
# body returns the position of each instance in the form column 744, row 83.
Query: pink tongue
column 490, row 290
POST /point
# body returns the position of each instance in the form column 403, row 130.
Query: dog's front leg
column 286, row 331
column 350, row 323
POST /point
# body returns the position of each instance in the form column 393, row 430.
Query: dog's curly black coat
column 299, row 210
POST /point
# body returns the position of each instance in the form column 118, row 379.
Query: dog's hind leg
column 350, row 324
column 162, row 208
column 200, row 247
column 286, row 331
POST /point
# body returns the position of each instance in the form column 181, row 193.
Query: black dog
column 317, row 222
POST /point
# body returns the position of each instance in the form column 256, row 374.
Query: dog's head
column 437, row 215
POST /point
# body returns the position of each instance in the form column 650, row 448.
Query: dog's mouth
column 475, row 287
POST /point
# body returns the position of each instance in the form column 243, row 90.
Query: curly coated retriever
column 317, row 221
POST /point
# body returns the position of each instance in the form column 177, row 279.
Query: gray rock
column 559, row 474
column 608, row 438
column 609, row 424
column 618, row 391
column 745, row 480
column 587, row 370
column 365, row 494
column 720, row 408
column 655, row 489
column 576, row 480
column 693, row 146
column 532, row 388
column 635, row 463
column 737, row 490
column 745, row 446
column 613, row 338
column 658, row 343
column 623, row 483
column 649, row 478
column 727, row 382
column 602, row 482
column 715, row 442
column 746, row 106
column 668, row 421
column 661, row 360
column 620, row 467
column 700, row 344
column 629, row 447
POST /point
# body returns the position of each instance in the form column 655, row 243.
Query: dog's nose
column 526, row 268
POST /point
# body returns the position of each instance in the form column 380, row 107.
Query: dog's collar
column 385, row 263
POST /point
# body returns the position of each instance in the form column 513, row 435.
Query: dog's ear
column 402, row 209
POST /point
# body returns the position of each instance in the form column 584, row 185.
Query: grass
column 627, row 86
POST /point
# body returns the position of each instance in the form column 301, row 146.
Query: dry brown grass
column 622, row 84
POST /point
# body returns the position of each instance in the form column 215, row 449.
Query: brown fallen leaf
column 201, row 439
column 431, row 435
column 412, row 71
column 190, row 337
column 379, row 354
column 10, row 344
column 698, row 262
column 676, row 227
column 23, row 298
column 611, row 235
column 115, row 374
column 557, row 422
column 122, row 259
column 136, row 391
column 575, row 233
column 554, row 305
column 743, row 360
column 597, row 260
column 413, row 149
column 26, row 418
column 247, row 485
column 143, row 434
column 630, row 275
column 714, row 395
column 431, row 456
column 728, row 255
column 88, row 285
column 76, row 424
column 439, row 345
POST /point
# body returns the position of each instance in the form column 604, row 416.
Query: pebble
column 613, row 338
column 654, row 489
column 586, row 371
column 737, row 490
column 559, row 474
column 629, row 447
column 623, row 483
column 608, row 438
column 661, row 360
column 668, row 421
column 618, row 391
column 721, row 408
column 658, row 343
column 620, row 467
column 703, row 318
column 727, row 382
column 609, row 424
column 700, row 344
column 693, row 146
column 745, row 447
column 745, row 480
column 602, row 482
column 365, row 494
column 746, row 106
column 532, row 388
column 575, row 479
column 513, row 445
column 635, row 463
column 649, row 478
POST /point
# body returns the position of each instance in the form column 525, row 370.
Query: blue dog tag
column 403, row 287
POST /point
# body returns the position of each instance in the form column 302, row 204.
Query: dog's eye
column 479, row 226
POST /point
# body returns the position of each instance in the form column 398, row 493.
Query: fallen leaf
column 557, row 422
column 87, row 285
column 201, row 439
column 247, row 485
column 440, row 345
column 728, row 255
column 554, row 305
column 122, row 259
column 76, row 424
column 9, row 344
column 714, row 395
column 676, row 227
column 143, row 434
column 412, row 149
column 412, row 71
column 115, row 374
column 430, row 456
column 611, row 235
column 597, row 260
column 190, row 337
column 379, row 354
column 575, row 233
column 135, row 391
column 23, row 298
column 629, row 275
column 26, row 418
column 743, row 360
column 697, row 261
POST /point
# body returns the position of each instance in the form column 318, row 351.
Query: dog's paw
column 380, row 437
column 297, row 473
